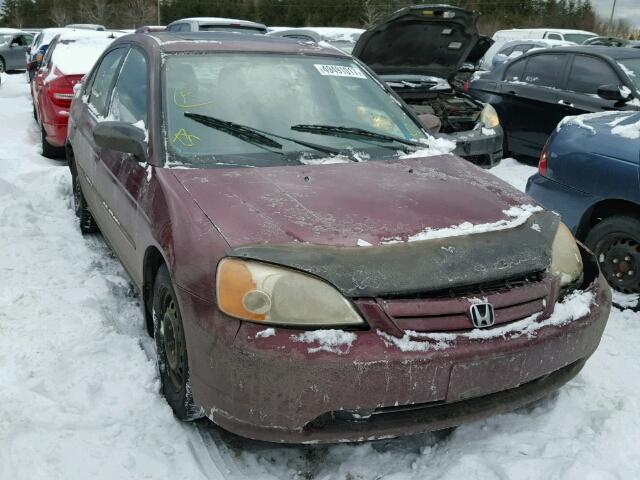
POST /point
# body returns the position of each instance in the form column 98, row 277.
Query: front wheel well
column 153, row 260
column 602, row 210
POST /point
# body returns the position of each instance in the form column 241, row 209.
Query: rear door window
column 129, row 99
column 103, row 79
column 545, row 70
column 589, row 73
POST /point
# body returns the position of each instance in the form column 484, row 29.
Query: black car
column 535, row 91
column 421, row 52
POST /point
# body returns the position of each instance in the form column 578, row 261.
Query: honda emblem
column 482, row 315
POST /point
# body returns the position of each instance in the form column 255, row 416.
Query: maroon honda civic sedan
column 310, row 270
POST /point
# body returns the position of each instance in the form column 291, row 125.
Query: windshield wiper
column 242, row 132
column 256, row 136
column 353, row 132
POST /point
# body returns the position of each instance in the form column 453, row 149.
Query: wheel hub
column 620, row 263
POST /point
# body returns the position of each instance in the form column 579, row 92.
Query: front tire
column 171, row 348
column 616, row 243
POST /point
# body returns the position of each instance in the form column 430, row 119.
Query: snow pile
column 519, row 215
column 267, row 332
column 79, row 392
column 579, row 120
column 334, row 341
column 631, row 130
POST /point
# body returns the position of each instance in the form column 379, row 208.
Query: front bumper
column 277, row 388
column 482, row 146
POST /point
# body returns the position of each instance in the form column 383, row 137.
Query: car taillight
column 60, row 89
column 466, row 86
column 542, row 164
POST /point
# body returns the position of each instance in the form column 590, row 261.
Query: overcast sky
column 627, row 9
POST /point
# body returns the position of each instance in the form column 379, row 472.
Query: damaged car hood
column 432, row 40
column 379, row 227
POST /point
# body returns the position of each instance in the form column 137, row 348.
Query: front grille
column 511, row 302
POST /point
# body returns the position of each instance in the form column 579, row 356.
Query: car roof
column 174, row 42
column 550, row 29
column 617, row 53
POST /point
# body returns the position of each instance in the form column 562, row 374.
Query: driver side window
column 129, row 100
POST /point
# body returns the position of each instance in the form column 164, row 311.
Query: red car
column 310, row 270
column 69, row 57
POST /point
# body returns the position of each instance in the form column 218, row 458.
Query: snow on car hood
column 420, row 40
column 350, row 203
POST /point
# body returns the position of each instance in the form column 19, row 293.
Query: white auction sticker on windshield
column 340, row 71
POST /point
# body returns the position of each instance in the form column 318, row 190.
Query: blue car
column 588, row 172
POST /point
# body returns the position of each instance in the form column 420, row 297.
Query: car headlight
column 489, row 117
column 566, row 261
column 267, row 294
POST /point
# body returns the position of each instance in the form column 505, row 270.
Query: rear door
column 87, row 154
column 529, row 109
column 586, row 74
column 121, row 176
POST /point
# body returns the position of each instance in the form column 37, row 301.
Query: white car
column 215, row 24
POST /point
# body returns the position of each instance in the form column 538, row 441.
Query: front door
column 121, row 176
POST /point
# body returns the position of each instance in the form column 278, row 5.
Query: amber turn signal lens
column 235, row 283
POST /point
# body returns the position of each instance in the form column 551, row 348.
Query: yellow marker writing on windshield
column 181, row 99
column 185, row 138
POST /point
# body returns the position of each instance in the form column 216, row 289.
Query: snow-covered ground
column 79, row 391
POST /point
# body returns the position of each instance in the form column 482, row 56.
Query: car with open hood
column 311, row 267
column 418, row 51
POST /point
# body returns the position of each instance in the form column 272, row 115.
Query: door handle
column 566, row 103
column 512, row 92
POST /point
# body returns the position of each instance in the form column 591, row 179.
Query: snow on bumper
column 276, row 387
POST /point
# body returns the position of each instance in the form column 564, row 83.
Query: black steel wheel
column 616, row 243
column 171, row 348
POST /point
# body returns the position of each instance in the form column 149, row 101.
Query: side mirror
column 431, row 123
column 28, row 50
column 616, row 93
column 121, row 137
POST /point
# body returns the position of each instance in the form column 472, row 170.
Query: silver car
column 13, row 47
column 210, row 24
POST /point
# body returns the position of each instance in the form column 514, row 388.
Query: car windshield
column 5, row 39
column 270, row 94
column 578, row 38
column 631, row 66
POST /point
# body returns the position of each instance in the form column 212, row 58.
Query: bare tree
column 371, row 13
column 96, row 11
column 60, row 14
column 140, row 12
